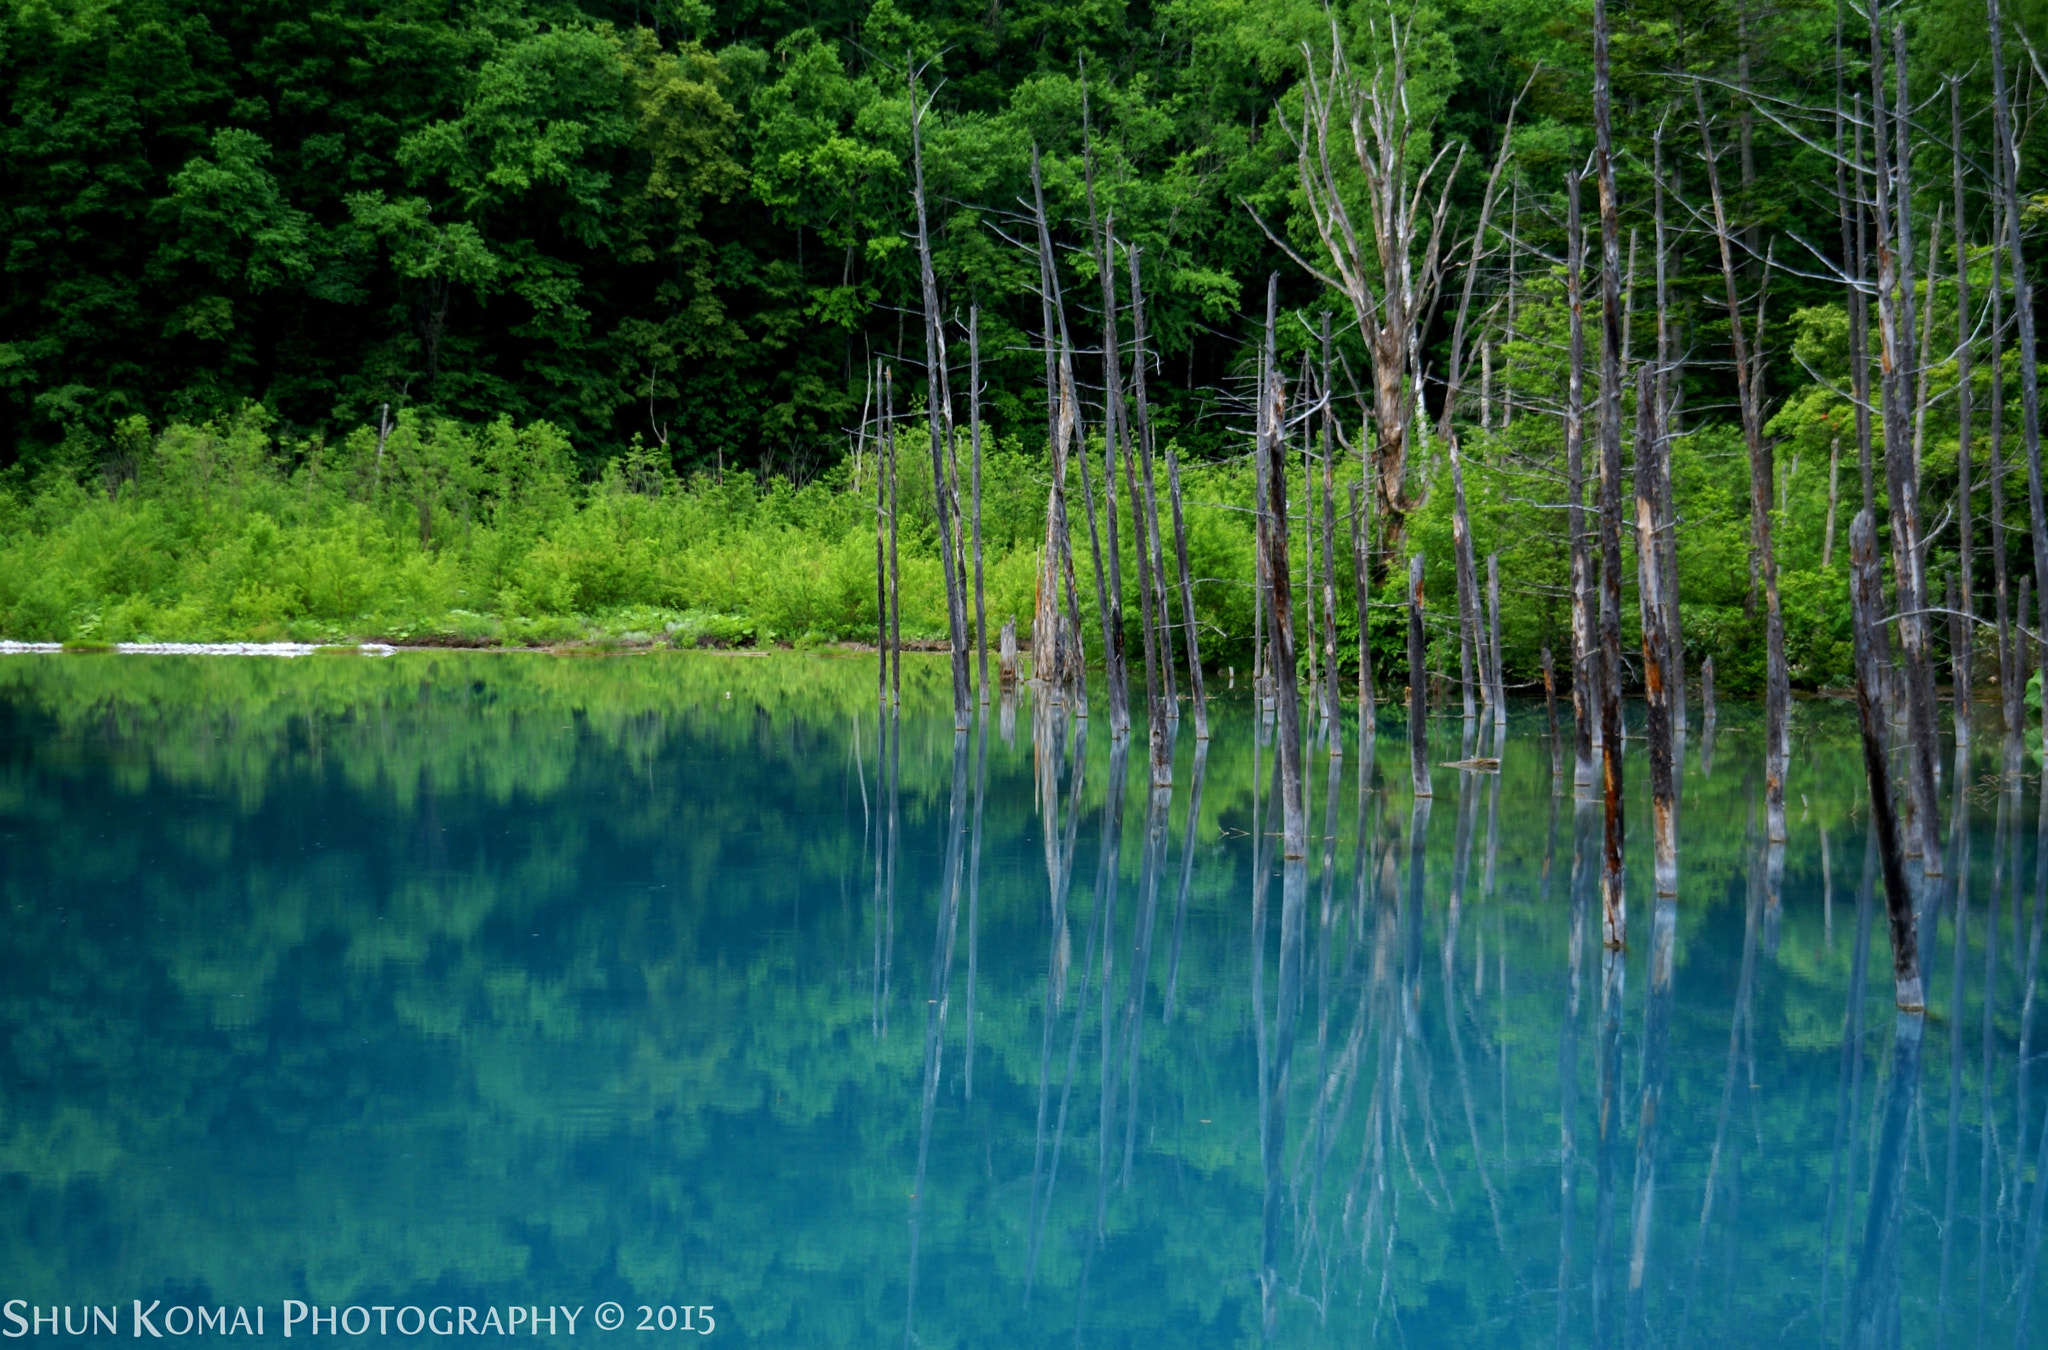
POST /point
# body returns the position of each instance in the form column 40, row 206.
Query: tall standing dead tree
column 939, row 412
column 1388, row 273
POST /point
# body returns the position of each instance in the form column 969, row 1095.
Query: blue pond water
column 483, row 981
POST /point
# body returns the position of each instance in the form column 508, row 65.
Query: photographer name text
column 292, row 1317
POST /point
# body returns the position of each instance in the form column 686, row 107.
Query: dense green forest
column 616, row 275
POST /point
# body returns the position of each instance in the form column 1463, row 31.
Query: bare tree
column 1389, row 274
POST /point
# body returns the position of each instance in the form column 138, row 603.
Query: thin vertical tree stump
column 1550, row 711
column 1187, row 596
column 895, row 573
column 1499, row 664
column 1333, row 701
column 1362, row 593
column 974, row 433
column 1418, row 717
column 1006, row 654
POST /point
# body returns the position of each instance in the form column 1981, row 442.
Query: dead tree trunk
column 938, row 405
column 1895, row 331
column 1667, row 505
column 1966, row 523
column 1613, row 902
column 1777, row 689
column 1468, row 581
column 1068, row 671
column 2012, row 710
column 974, row 433
column 1418, row 676
column 1388, row 272
column 2007, row 184
column 1155, row 704
column 1866, row 596
column 881, row 565
column 1499, row 672
column 1333, row 700
column 1585, row 665
column 1362, row 592
column 1187, row 595
column 1656, row 601
column 1116, row 669
column 1280, row 601
column 895, row 575
column 1161, row 608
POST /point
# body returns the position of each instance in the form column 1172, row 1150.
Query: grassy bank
column 484, row 535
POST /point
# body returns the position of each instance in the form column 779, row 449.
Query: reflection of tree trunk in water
column 1850, row 1080
column 1326, row 1125
column 1583, row 821
column 2033, row 968
column 1873, row 1300
column 1287, row 1007
column 1461, row 866
column 1043, row 1198
column 1261, row 867
column 1613, row 984
column 1959, row 844
column 1107, row 875
column 1159, row 804
column 1059, row 863
column 1325, row 932
column 883, row 819
column 1656, row 1046
column 1187, row 870
column 935, row 1014
column 1752, row 912
column 2008, row 808
column 886, row 937
column 974, row 885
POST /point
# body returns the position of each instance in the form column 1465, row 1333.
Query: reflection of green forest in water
column 500, row 977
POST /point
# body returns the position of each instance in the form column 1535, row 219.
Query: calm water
column 482, row 980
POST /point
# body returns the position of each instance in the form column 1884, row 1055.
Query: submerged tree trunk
column 1418, row 716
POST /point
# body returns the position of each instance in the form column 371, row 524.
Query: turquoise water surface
column 483, row 981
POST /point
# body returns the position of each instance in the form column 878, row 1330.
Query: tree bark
column 1656, row 598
